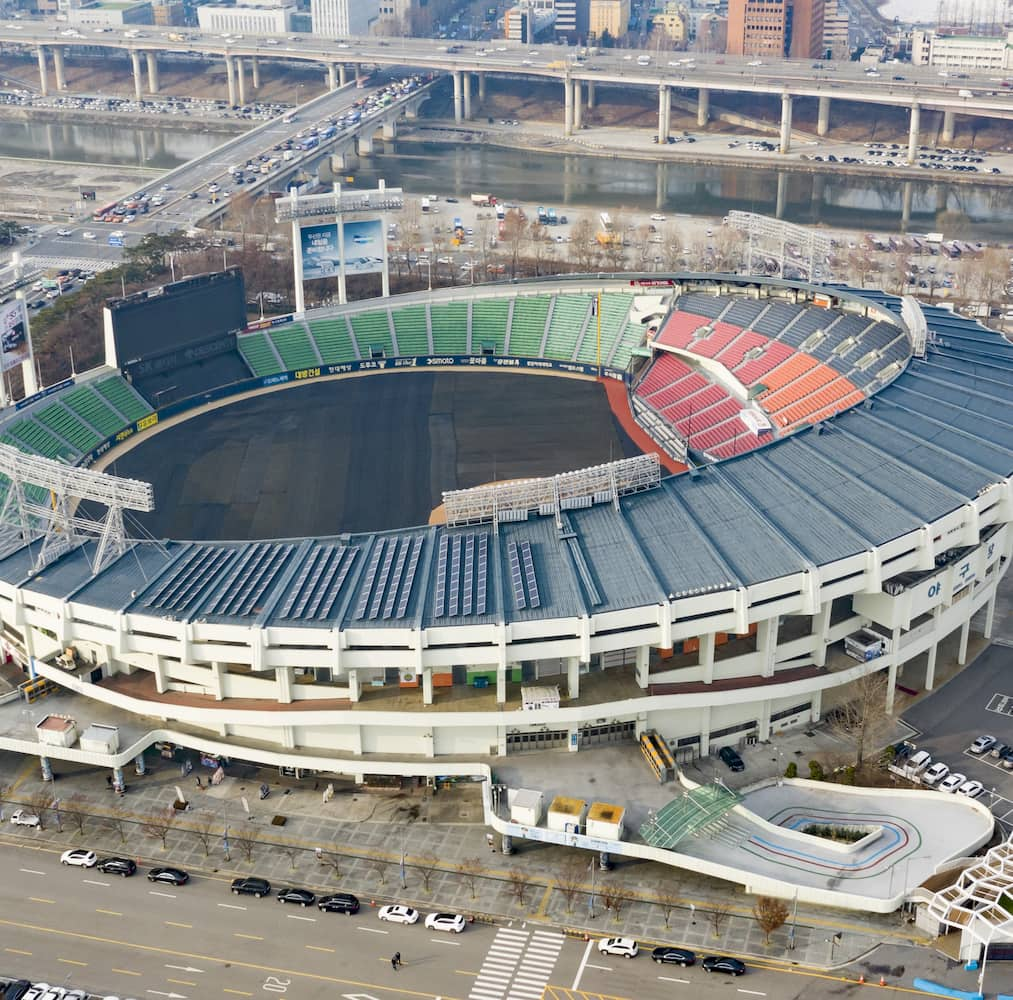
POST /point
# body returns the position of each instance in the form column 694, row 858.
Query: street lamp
column 590, row 899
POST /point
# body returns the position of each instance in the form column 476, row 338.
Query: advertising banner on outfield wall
column 319, row 248
column 364, row 247
column 15, row 339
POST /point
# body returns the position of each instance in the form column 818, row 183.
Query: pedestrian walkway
column 518, row 965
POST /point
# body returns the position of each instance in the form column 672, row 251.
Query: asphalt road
column 133, row 939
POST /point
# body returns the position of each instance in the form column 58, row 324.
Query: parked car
column 301, row 896
column 17, row 989
column 397, row 914
column 673, row 956
column 952, row 781
column 79, row 857
column 339, row 902
column 22, row 817
column 935, row 774
column 982, row 744
column 722, row 963
column 622, row 946
column 117, row 866
column 170, row 876
column 452, row 923
column 250, row 885
column 971, row 789
column 732, row 759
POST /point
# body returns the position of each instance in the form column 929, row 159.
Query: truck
column 287, row 155
column 175, row 36
column 501, row 212
column 425, row 204
column 482, row 200
column 965, row 93
column 543, row 216
column 553, row 221
column 556, row 64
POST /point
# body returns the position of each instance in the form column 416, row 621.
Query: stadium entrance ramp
column 690, row 814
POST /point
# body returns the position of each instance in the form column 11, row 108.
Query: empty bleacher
column 90, row 406
column 663, row 371
column 805, row 325
column 568, row 318
column 450, row 327
column 123, row 398
column 527, row 326
column 794, row 367
column 735, row 352
column 258, row 354
column 704, row 304
column 614, row 315
column 743, row 312
column 29, row 435
column 333, row 340
column 750, row 372
column 836, row 395
column 292, row 342
column 776, row 318
column 411, row 330
column 68, row 426
column 489, row 324
column 372, row 331
column 717, row 340
column 680, row 328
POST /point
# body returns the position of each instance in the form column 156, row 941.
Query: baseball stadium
column 484, row 520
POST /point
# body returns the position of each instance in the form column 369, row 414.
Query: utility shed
column 101, row 739
column 57, row 731
column 527, row 806
column 605, row 821
column 566, row 814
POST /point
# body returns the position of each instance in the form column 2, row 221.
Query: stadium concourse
column 849, row 488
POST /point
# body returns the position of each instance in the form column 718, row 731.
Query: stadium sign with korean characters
column 15, row 339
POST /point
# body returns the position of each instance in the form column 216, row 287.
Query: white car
column 952, row 781
column 623, row 946
column 935, row 774
column 982, row 744
column 87, row 236
column 80, row 857
column 65, row 232
column 659, row 218
column 972, row 789
column 22, row 817
column 451, row 922
column 118, row 234
column 397, row 914
column 755, row 62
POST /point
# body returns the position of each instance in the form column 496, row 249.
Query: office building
column 806, row 29
column 758, row 27
column 608, row 17
column 341, row 18
column 250, row 18
column 962, row 53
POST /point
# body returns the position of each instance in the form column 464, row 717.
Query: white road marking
column 88, row 881
column 603, row 968
column 372, row 930
column 167, row 895
column 580, row 968
column 295, row 916
column 184, row 968
column 231, row 906
column 455, row 944
column 32, row 871
column 668, row 979
column 752, row 993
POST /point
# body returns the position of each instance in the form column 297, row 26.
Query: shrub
column 791, row 771
column 816, row 770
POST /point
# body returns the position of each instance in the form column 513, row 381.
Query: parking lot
column 977, row 701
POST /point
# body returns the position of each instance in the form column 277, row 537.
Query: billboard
column 15, row 340
column 364, row 247
column 320, row 257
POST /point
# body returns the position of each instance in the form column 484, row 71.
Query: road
column 132, row 938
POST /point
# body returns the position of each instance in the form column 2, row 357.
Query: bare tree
column 40, row 802
column 771, row 914
column 515, row 232
column 157, row 825
column 203, row 830
column 614, row 900
column 469, row 870
column 119, row 820
column 380, row 869
column 669, row 901
column 426, row 865
column 332, row 861
column 246, row 844
column 291, row 853
column 718, row 916
column 583, row 249
column 862, row 723
column 990, row 276
column 519, row 885
column 73, row 808
column 571, row 881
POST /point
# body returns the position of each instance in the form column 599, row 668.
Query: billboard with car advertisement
column 15, row 339
column 319, row 247
column 364, row 247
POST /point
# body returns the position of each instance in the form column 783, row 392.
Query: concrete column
column 990, row 615
column 573, row 676
column 255, row 67
column 332, row 77
column 912, row 138
column 119, row 782
column 965, row 632
column 364, row 143
column 891, row 679
column 705, row 730
column 300, row 295
column 930, row 667
column 60, row 68
column 466, row 82
column 703, row 107
column 643, row 666
column 139, row 766
column 218, row 680
column 501, row 683
column 949, row 120
column 354, row 687
column 590, row 95
column 458, row 100
column 663, row 94
column 578, row 110
column 161, row 679
column 707, row 657
column 343, row 74
column 283, row 678
column 135, row 62
column 567, row 108
column 823, row 117
column 230, row 79
column 782, row 194
column 427, row 688
column 390, row 128
column 240, row 80
column 43, row 75
column 507, row 844
column 821, row 626
column 763, row 727
column 152, row 60
column 339, row 161
column 766, row 645
column 786, row 123
column 481, row 87
column 47, row 769
column 817, row 707
column 907, row 196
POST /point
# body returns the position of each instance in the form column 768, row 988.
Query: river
column 572, row 183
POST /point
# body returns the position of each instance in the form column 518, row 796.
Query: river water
column 574, row 183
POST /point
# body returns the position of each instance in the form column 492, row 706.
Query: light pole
column 404, row 853
column 590, row 899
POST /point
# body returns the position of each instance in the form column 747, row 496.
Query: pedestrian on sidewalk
column 109, row 780
column 199, row 785
column 395, row 960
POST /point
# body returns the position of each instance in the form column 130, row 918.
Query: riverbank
column 75, row 116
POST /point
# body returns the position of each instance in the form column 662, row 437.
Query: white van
column 643, row 60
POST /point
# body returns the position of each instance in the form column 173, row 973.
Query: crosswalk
column 518, row 965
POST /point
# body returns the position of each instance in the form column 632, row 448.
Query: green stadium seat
column 123, row 397
column 411, row 330
column 333, row 340
column 90, row 407
column 568, row 317
column 450, row 328
column 370, row 329
column 527, row 328
column 292, row 342
column 65, row 423
column 615, row 308
column 257, row 353
column 33, row 437
column 489, row 324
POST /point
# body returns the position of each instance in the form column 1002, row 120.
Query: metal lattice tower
column 57, row 524
column 771, row 238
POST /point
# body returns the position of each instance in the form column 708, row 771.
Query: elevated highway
column 915, row 88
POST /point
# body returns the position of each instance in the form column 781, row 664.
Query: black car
column 339, row 902
column 673, row 956
column 721, row 963
column 17, row 989
column 731, row 757
column 171, row 876
column 251, row 886
column 117, row 866
column 301, row 896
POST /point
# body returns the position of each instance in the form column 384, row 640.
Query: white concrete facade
column 341, row 18
column 254, row 20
